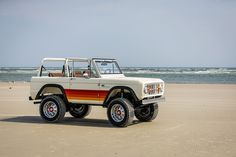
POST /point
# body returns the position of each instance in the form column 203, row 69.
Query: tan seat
column 90, row 73
column 78, row 74
column 55, row 75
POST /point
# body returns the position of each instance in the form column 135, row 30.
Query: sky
column 150, row 33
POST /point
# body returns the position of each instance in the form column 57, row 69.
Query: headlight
column 149, row 89
column 153, row 88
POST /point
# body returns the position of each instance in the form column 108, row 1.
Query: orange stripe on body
column 96, row 95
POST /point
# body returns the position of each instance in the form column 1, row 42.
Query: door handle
column 101, row 85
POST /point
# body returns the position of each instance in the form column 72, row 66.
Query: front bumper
column 152, row 100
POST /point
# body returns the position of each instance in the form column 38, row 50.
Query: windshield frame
column 109, row 61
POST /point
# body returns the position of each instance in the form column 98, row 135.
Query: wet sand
column 196, row 120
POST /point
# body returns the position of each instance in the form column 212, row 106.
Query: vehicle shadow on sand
column 66, row 121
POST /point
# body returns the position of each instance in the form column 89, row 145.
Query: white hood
column 121, row 77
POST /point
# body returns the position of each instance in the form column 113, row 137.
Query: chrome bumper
column 153, row 100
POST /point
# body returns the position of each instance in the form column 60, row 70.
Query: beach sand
column 196, row 120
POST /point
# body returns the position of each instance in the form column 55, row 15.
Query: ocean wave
column 136, row 70
column 169, row 75
column 179, row 70
column 18, row 70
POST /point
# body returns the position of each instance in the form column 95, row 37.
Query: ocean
column 186, row 75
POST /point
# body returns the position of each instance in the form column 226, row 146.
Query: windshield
column 108, row 67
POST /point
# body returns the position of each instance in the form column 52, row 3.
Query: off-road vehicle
column 76, row 84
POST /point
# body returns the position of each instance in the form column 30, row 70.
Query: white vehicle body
column 75, row 84
column 97, row 89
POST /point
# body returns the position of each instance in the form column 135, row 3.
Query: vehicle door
column 84, row 84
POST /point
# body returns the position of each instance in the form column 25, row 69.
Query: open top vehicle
column 76, row 84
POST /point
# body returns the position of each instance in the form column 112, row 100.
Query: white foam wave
column 182, row 71
column 139, row 70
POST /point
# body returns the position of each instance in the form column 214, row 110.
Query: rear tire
column 80, row 111
column 147, row 113
column 52, row 108
column 120, row 112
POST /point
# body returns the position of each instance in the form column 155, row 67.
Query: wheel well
column 51, row 89
column 121, row 92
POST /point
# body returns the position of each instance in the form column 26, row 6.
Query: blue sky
column 155, row 33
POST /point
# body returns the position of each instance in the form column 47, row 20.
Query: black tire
column 147, row 113
column 120, row 112
column 80, row 111
column 52, row 108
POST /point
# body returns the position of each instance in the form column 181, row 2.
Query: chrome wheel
column 117, row 113
column 50, row 109
column 120, row 112
column 80, row 111
column 147, row 113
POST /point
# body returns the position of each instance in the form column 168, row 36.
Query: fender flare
column 51, row 85
column 120, row 87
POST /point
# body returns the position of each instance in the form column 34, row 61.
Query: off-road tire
column 147, row 113
column 52, row 109
column 120, row 112
column 80, row 111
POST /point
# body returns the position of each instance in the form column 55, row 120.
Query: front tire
column 147, row 113
column 80, row 111
column 52, row 108
column 120, row 112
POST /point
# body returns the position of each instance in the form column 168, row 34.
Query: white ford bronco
column 76, row 84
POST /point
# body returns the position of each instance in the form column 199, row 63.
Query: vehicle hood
column 137, row 84
column 142, row 80
column 131, row 80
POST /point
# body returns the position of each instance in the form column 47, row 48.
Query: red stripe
column 98, row 95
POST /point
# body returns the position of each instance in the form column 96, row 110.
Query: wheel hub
column 117, row 112
column 50, row 109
